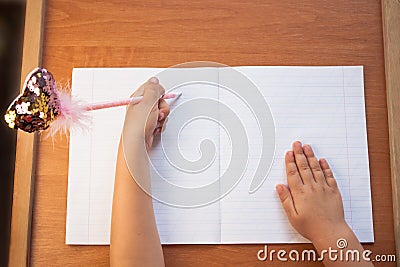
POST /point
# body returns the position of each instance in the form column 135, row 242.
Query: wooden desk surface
column 85, row 33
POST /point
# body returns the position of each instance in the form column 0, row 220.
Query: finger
column 162, row 124
column 292, row 174
column 314, row 164
column 152, row 92
column 330, row 179
column 302, row 163
column 157, row 130
column 287, row 200
column 164, row 110
column 161, row 116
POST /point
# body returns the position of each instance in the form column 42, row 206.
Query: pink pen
column 123, row 102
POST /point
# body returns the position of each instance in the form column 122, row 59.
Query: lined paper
column 321, row 106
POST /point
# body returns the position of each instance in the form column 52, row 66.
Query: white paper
column 322, row 106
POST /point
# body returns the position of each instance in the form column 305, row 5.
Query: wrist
column 133, row 144
column 331, row 234
column 137, row 135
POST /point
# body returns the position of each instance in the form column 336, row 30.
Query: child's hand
column 134, row 239
column 147, row 118
column 312, row 202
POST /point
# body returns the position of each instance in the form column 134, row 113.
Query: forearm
column 326, row 245
column 134, row 235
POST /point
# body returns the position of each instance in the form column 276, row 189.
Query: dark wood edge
column 26, row 144
column 391, row 38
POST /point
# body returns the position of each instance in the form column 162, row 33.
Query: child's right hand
column 147, row 118
column 312, row 199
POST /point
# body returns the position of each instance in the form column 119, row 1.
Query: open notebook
column 322, row 106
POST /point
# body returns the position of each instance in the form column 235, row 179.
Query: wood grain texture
column 391, row 34
column 25, row 159
column 160, row 33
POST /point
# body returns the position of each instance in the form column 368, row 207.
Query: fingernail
column 153, row 80
column 297, row 147
column 161, row 116
column 290, row 155
column 307, row 148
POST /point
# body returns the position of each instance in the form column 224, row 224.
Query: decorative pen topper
column 41, row 106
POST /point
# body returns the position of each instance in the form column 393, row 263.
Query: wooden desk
column 85, row 33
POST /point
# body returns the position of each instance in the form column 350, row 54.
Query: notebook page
column 323, row 107
column 177, row 224
column 92, row 170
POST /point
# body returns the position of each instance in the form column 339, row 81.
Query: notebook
column 232, row 134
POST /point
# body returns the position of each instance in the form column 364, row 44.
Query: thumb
column 286, row 199
column 152, row 92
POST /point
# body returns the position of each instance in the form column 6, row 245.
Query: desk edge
column 391, row 39
column 19, row 253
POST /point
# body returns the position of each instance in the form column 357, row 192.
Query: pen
column 123, row 102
